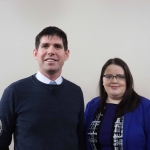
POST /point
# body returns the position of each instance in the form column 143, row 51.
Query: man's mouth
column 50, row 60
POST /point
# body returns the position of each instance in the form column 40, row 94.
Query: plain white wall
column 97, row 30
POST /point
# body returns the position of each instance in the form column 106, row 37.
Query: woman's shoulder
column 91, row 107
column 94, row 103
column 145, row 101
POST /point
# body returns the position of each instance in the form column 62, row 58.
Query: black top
column 106, row 128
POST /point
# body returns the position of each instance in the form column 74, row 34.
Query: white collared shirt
column 45, row 80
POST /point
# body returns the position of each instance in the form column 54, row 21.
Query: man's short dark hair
column 51, row 31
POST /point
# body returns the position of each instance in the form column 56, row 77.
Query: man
column 41, row 115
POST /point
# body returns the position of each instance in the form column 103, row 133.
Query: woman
column 119, row 119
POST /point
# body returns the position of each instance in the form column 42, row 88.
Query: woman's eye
column 109, row 76
column 120, row 77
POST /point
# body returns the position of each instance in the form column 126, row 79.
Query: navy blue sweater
column 42, row 116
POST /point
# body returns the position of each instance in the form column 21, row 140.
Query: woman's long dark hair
column 130, row 99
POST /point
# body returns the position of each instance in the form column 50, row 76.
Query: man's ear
column 67, row 52
column 35, row 53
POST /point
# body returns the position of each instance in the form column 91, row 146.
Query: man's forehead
column 51, row 38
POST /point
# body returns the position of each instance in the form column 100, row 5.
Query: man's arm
column 81, row 127
column 7, row 118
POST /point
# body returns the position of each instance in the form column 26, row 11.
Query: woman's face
column 114, row 86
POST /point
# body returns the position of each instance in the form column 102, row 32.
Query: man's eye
column 45, row 46
column 57, row 46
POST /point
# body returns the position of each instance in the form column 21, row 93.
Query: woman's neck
column 113, row 101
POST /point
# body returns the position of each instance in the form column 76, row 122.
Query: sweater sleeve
column 7, row 118
column 81, row 127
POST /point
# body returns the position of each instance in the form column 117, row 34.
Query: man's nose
column 51, row 50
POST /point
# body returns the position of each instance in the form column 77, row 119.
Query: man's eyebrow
column 44, row 43
column 55, row 44
column 58, row 44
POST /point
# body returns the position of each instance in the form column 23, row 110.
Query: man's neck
column 46, row 80
column 51, row 75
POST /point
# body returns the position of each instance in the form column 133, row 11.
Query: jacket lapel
column 127, row 118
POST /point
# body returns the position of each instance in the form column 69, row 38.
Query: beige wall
column 97, row 30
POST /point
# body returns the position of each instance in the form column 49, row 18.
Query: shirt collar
column 45, row 80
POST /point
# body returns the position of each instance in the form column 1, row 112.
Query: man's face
column 51, row 55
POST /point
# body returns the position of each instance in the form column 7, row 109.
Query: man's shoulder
column 21, row 82
column 71, row 84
